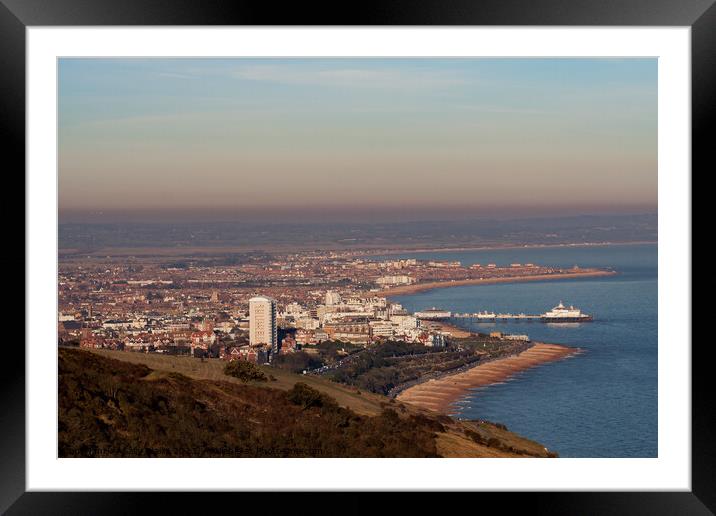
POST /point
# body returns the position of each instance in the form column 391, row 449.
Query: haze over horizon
column 355, row 138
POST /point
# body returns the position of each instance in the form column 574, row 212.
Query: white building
column 382, row 328
column 262, row 322
column 524, row 338
column 337, row 316
column 435, row 340
column 405, row 322
column 333, row 298
column 433, row 313
column 307, row 323
column 294, row 309
column 401, row 279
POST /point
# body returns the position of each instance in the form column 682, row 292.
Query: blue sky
column 241, row 134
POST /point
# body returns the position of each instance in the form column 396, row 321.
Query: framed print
column 444, row 249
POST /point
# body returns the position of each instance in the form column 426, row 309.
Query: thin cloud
column 504, row 109
column 175, row 75
column 346, row 77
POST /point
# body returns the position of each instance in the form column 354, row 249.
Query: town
column 253, row 306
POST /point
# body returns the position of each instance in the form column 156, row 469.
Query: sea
column 599, row 403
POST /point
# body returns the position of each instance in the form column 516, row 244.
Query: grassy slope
column 365, row 403
column 222, row 394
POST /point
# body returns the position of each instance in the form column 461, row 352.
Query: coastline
column 422, row 287
column 498, row 247
column 441, row 394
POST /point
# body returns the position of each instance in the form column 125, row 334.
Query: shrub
column 305, row 396
column 427, row 422
column 492, row 442
column 245, row 371
column 475, row 437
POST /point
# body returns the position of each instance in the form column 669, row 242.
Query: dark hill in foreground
column 113, row 408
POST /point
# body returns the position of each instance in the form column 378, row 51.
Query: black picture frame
column 16, row 15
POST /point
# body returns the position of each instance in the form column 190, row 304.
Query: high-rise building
column 262, row 322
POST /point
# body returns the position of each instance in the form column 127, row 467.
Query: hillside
column 182, row 407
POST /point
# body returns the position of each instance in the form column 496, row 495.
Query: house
column 288, row 345
column 202, row 339
column 255, row 354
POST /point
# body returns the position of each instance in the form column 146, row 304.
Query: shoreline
column 431, row 285
column 498, row 247
column 441, row 394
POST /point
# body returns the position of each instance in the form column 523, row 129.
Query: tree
column 245, row 371
column 305, row 396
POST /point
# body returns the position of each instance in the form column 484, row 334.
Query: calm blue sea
column 602, row 403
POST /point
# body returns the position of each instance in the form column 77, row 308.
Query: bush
column 475, row 437
column 427, row 422
column 492, row 442
column 245, row 371
column 305, row 396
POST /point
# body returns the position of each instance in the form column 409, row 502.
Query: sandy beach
column 441, row 393
column 422, row 287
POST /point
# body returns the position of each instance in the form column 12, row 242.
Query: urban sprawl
column 255, row 306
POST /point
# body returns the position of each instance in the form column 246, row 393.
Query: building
column 257, row 355
column 307, row 323
column 405, row 322
column 288, row 345
column 304, row 337
column 433, row 313
column 262, row 322
column 333, row 298
column 435, row 340
column 294, row 309
column 202, row 339
column 385, row 329
column 354, row 330
column 402, row 279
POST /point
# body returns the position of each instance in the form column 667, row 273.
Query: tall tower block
column 262, row 322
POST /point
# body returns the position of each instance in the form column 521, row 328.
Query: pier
column 559, row 314
column 491, row 317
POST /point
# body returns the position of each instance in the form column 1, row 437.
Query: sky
column 361, row 138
